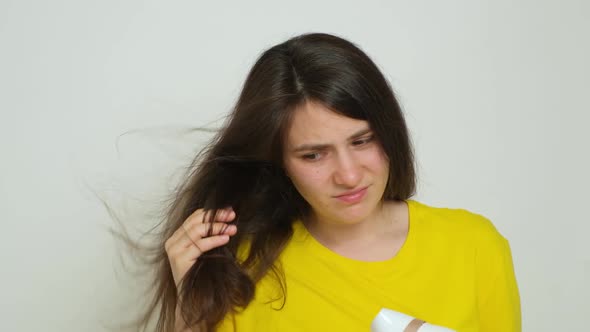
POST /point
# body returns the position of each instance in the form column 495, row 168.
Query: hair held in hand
column 242, row 168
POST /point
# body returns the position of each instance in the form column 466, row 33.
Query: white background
column 496, row 95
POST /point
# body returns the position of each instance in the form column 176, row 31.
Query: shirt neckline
column 404, row 253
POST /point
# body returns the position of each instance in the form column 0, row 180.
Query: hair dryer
column 392, row 321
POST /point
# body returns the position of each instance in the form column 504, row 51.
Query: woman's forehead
column 314, row 123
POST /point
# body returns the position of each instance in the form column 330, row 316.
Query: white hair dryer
column 392, row 321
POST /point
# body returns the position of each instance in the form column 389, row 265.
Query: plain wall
column 495, row 94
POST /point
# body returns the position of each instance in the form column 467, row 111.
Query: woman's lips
column 354, row 196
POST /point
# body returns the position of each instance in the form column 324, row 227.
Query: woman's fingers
column 208, row 243
column 201, row 231
column 192, row 253
column 201, row 216
column 191, row 236
column 197, row 235
column 197, row 217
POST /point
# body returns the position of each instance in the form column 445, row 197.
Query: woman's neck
column 389, row 221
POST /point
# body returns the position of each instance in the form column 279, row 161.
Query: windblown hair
column 242, row 167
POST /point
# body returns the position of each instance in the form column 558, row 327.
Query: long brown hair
column 242, row 168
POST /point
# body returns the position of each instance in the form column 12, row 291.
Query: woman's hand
column 190, row 240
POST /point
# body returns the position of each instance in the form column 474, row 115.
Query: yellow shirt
column 454, row 270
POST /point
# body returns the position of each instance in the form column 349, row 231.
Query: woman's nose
column 347, row 170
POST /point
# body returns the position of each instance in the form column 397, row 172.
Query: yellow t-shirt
column 454, row 270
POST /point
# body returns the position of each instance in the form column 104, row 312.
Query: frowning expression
column 336, row 164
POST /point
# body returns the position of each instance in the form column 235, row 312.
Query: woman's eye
column 311, row 156
column 362, row 141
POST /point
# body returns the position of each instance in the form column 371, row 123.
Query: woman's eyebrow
column 360, row 133
column 307, row 147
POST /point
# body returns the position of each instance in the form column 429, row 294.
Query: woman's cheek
column 311, row 179
column 376, row 159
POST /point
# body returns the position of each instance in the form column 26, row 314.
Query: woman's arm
column 498, row 298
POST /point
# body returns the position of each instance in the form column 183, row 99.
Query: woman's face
column 336, row 164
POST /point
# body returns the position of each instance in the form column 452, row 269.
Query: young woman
column 298, row 216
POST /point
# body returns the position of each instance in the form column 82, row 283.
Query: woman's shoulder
column 454, row 221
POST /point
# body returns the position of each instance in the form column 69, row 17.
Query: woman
column 298, row 216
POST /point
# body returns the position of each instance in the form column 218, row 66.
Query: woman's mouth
column 353, row 196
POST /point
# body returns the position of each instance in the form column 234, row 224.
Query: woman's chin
column 352, row 216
